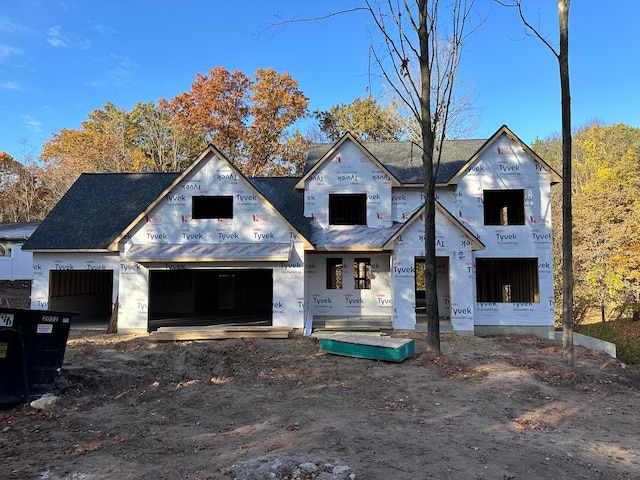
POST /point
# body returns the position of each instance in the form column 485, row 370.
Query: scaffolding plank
column 218, row 334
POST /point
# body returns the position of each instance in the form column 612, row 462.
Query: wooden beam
column 168, row 334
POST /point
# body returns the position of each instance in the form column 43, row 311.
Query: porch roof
column 211, row 252
column 354, row 238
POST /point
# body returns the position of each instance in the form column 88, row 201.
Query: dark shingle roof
column 282, row 194
column 100, row 206
column 404, row 159
column 97, row 209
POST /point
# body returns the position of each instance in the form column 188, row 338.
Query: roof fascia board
column 209, row 259
column 347, row 136
column 70, row 250
column 351, row 249
column 421, row 185
column 555, row 176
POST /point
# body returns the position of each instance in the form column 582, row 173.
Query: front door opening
column 442, row 286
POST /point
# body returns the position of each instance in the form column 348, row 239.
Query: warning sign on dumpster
column 44, row 328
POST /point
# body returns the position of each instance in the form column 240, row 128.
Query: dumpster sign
column 6, row 319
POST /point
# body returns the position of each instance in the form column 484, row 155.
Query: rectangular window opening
column 334, row 273
column 211, row 207
column 507, row 280
column 348, row 209
column 503, row 207
column 362, row 273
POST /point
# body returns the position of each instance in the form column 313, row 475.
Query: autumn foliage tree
column 366, row 118
column 606, row 214
column 22, row 192
column 104, row 143
column 166, row 146
column 248, row 120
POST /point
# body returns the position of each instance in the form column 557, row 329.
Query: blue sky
column 59, row 60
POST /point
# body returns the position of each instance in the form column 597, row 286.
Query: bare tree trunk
column 428, row 141
column 567, row 212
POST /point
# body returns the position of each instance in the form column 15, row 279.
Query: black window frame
column 347, row 208
column 503, row 207
column 211, row 207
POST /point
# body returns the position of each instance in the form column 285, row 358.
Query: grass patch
column 627, row 345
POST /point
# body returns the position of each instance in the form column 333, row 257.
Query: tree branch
column 528, row 27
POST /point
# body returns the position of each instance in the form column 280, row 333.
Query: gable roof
column 96, row 209
column 555, row 176
column 101, row 208
column 402, row 160
column 476, row 244
column 17, row 231
column 277, row 201
column 327, row 152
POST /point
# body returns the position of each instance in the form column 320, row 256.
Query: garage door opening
column 88, row 292
column 210, row 297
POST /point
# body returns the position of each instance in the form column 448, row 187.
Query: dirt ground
column 488, row 408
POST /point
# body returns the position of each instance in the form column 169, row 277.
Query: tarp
column 209, row 252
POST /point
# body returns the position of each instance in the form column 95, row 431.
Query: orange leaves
column 216, row 108
column 246, row 119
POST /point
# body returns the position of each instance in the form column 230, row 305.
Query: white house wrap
column 344, row 242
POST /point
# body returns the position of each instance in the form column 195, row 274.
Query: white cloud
column 9, row 86
column 103, row 29
column 121, row 71
column 12, row 28
column 6, row 52
column 55, row 38
column 32, row 123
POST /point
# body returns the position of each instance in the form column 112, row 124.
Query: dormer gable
column 442, row 212
column 330, row 155
column 514, row 146
column 348, row 187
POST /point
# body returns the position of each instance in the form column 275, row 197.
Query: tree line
column 254, row 121
column 606, row 215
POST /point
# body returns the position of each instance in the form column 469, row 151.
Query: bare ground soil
column 488, row 408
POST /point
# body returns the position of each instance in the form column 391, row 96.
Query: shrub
column 627, row 348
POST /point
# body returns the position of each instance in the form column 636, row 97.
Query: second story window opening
column 348, row 209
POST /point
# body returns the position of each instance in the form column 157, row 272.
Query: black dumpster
column 32, row 345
